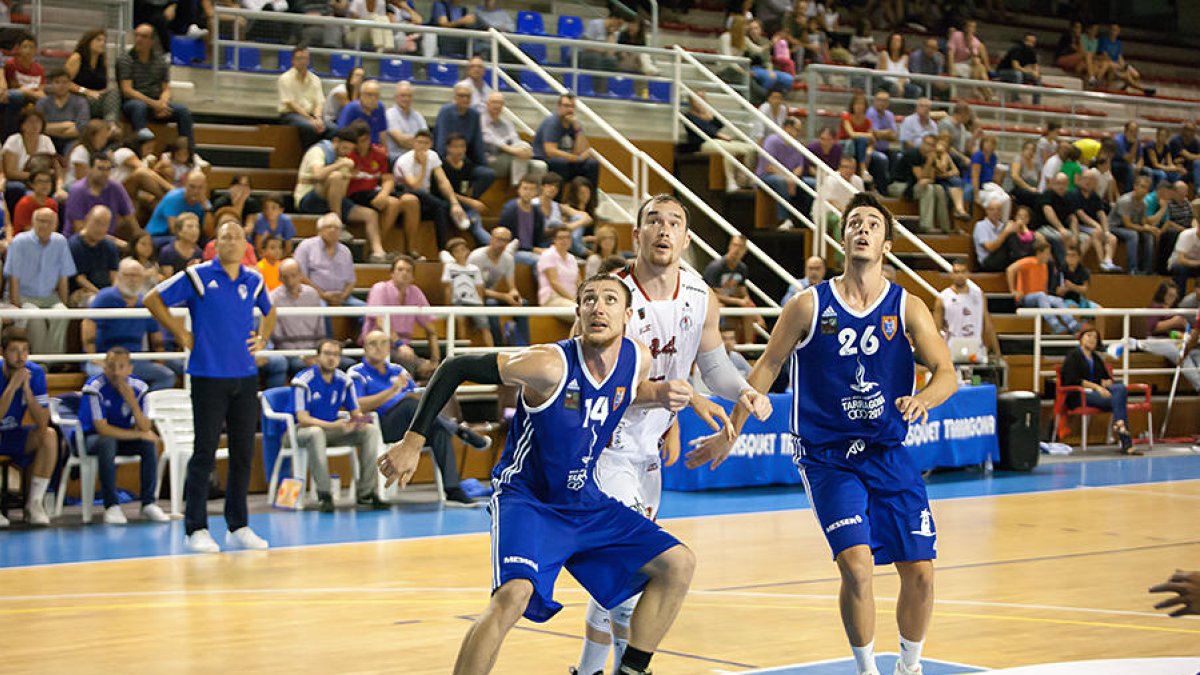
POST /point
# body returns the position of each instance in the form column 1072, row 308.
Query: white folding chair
column 289, row 447
column 77, row 456
column 171, row 412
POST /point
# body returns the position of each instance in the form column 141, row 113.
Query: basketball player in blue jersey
column 547, row 511
column 853, row 397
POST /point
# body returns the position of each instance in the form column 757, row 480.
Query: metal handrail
column 1099, row 97
column 649, row 163
column 385, row 312
column 306, row 19
column 827, row 174
column 1125, row 313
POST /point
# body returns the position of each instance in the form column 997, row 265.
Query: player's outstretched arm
column 932, row 351
column 792, row 327
column 717, row 370
column 536, row 369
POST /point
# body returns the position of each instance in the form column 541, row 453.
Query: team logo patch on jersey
column 889, row 324
column 571, row 400
column 829, row 322
column 642, row 313
column 243, row 292
column 618, row 398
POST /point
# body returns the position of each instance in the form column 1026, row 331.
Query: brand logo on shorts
column 856, row 447
column 518, row 560
column 926, row 525
column 855, row 520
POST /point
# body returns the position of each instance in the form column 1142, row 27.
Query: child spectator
column 42, row 183
column 463, row 282
column 272, row 252
column 273, row 222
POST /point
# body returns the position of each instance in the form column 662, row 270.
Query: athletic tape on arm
column 481, row 368
column 719, row 375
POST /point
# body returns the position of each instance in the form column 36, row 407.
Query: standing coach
column 221, row 296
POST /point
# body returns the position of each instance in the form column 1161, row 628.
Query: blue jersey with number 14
column 552, row 448
column 849, row 371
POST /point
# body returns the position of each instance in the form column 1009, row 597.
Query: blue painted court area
column 67, row 544
column 885, row 662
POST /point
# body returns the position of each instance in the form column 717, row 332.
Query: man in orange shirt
column 1029, row 279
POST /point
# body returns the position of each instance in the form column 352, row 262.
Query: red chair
column 1063, row 412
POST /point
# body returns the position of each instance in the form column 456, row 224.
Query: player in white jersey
column 677, row 317
column 960, row 311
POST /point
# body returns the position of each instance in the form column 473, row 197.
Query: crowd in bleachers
column 97, row 210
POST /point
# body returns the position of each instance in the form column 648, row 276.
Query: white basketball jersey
column 671, row 330
column 964, row 312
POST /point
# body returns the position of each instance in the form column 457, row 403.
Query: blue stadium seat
column 659, row 92
column 445, row 74
column 340, row 65
column 585, row 86
column 533, row 83
column 284, row 59
column 530, row 23
column 186, row 51
column 395, row 70
column 620, row 87
column 535, row 51
column 570, row 27
column 249, row 59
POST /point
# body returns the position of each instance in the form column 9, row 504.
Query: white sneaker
column 113, row 515
column 154, row 514
column 3, row 521
column 246, row 538
column 37, row 515
column 201, row 541
column 901, row 670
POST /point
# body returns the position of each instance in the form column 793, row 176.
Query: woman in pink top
column 968, row 57
column 558, row 273
column 400, row 291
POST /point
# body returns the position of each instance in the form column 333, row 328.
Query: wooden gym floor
column 1056, row 571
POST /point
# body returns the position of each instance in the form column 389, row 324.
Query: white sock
column 593, row 658
column 910, row 652
column 864, row 658
column 619, row 645
column 37, row 489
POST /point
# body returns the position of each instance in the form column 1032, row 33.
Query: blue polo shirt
column 323, row 399
column 101, row 400
column 127, row 333
column 16, row 410
column 353, row 110
column 170, row 206
column 222, row 312
column 368, row 381
column 468, row 124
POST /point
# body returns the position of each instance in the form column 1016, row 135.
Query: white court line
column 964, row 603
column 360, row 542
column 825, row 662
column 1152, row 493
column 481, row 589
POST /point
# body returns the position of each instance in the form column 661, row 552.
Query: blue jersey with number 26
column 551, row 449
column 849, row 371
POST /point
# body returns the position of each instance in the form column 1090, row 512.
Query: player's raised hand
column 913, row 409
column 714, row 449
column 399, row 463
column 1186, row 587
column 757, row 403
column 712, row 414
column 675, row 395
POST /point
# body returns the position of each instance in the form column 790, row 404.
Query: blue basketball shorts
column 12, row 441
column 603, row 545
column 870, row 495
